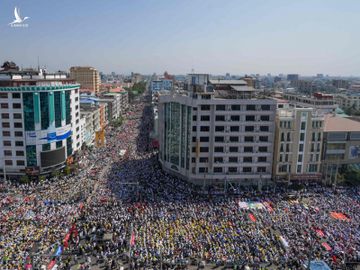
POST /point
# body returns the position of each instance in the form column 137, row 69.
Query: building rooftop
column 228, row 82
column 340, row 124
column 242, row 88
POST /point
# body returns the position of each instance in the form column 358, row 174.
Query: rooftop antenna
column 38, row 62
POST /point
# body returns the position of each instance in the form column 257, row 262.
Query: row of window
column 232, row 129
column 6, row 105
column 312, row 168
column 229, row 139
column 14, row 95
column 237, row 107
column 286, row 158
column 17, row 143
column 233, row 170
column 9, row 153
column 18, row 162
column 248, row 118
column 221, row 149
column 15, row 116
column 16, row 133
column 230, row 159
column 7, row 125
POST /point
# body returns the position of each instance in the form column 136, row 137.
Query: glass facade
column 29, row 119
column 31, row 155
column 57, row 107
column 59, row 144
column 69, row 146
column 44, row 107
column 46, row 147
column 68, row 111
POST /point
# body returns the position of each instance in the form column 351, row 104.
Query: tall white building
column 218, row 132
column 40, row 121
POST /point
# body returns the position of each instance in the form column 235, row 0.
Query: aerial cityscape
column 179, row 135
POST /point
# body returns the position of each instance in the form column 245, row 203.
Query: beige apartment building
column 87, row 77
column 298, row 144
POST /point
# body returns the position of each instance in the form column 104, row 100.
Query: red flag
column 334, row 258
column 132, row 239
column 252, row 217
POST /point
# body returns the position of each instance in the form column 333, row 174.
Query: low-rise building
column 349, row 99
column 318, row 101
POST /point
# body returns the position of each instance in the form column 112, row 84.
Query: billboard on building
column 53, row 157
column 47, row 136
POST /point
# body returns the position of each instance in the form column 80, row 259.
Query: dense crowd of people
column 122, row 208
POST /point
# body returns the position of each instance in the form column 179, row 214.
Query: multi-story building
column 349, row 99
column 87, row 77
column 298, row 144
column 318, row 101
column 136, row 77
column 292, row 77
column 338, row 83
column 123, row 98
column 341, row 146
column 159, row 85
column 217, row 133
column 40, row 121
column 303, row 85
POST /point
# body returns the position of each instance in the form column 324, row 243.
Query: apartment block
column 298, row 144
column 87, row 77
column 217, row 132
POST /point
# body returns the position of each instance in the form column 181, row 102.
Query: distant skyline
column 211, row 36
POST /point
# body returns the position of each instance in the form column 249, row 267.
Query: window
column 193, row 149
column 303, row 125
column 44, row 105
column 218, row 169
column 220, row 118
column 250, row 107
column 29, row 114
column 219, row 139
column 233, row 159
column 220, row 107
column 300, row 157
column 249, row 128
column 203, row 170
column 313, row 167
column 20, row 163
column 261, row 159
column 263, row 149
column 234, row 129
column 265, row 118
column 313, row 137
column 46, row 147
column 235, row 107
column 218, row 160
column 16, row 105
column 7, row 143
column 261, row 169
column 19, row 143
column 205, row 107
column 16, row 95
column 248, row 149
column 219, row 128
column 59, row 144
column 250, row 118
column 218, row 149
column 287, row 147
column 282, row 168
column 193, row 160
column 194, row 128
column 17, row 116
column 234, row 139
column 4, row 106
column 299, row 169
column 288, row 137
column 235, row 118
column 204, row 128
column 264, row 128
column 57, row 108
column 302, row 136
column 204, row 139
column 233, row 149
column 301, row 147
column 19, row 153
column 6, row 133
column 7, row 153
column 282, row 136
column 263, row 138
column 265, row 107
column 249, row 139
column 205, row 118
column 203, row 160
column 8, row 162
column 5, row 124
column 194, row 117
column 5, row 116
column 193, row 139
column 247, row 159
column 18, row 134
column 247, row 169
column 17, row 125
column 232, row 169
column 3, row 95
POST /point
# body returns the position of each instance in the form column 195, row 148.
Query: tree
column 24, row 179
column 352, row 176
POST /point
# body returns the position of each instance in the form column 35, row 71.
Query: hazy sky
column 212, row 36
